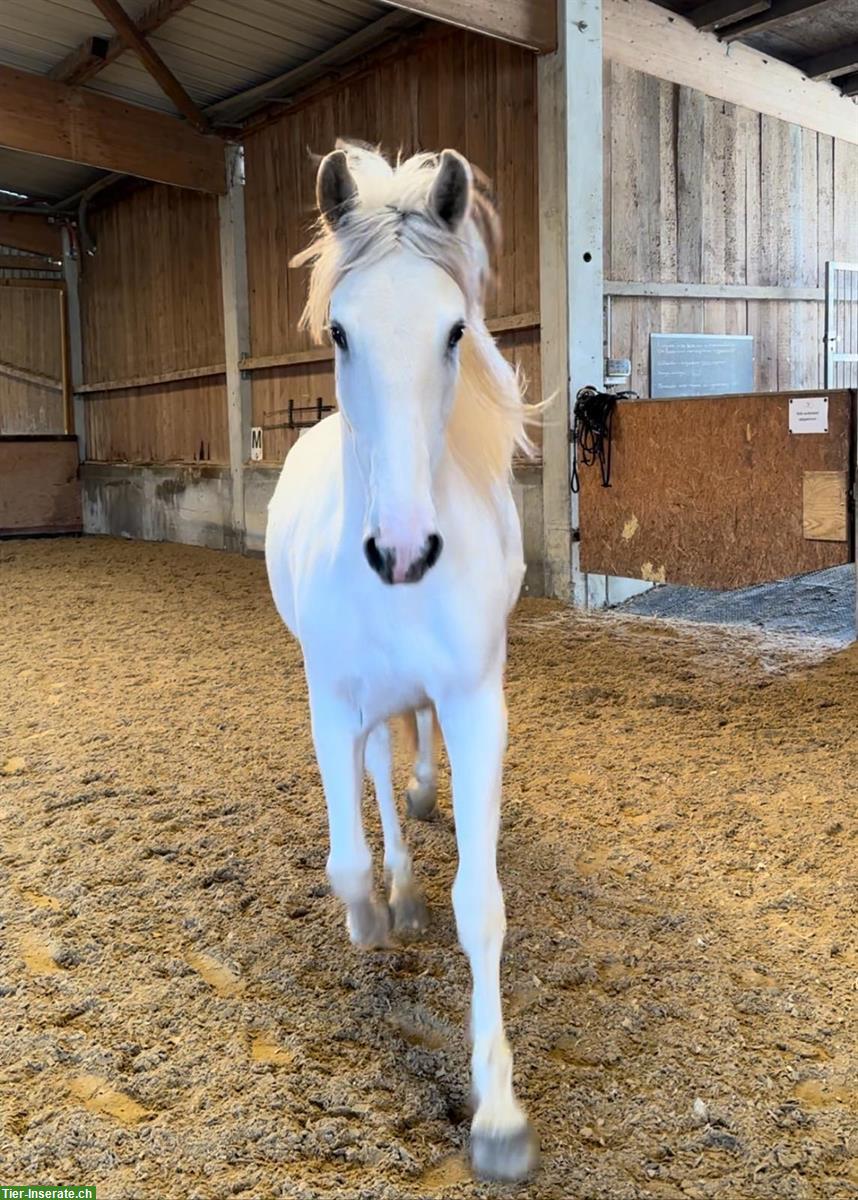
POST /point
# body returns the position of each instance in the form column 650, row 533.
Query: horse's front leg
column 339, row 742
column 503, row 1144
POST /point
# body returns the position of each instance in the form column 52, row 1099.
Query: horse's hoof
column 505, row 1156
column 369, row 924
column 421, row 800
column 410, row 910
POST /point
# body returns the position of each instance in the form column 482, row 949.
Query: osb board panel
column 449, row 89
column 824, row 506
column 150, row 295
column 701, row 191
column 184, row 421
column 305, row 384
column 39, row 486
column 709, row 492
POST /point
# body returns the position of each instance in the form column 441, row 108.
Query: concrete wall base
column 192, row 503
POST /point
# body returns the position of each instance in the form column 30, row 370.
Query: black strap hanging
column 592, row 418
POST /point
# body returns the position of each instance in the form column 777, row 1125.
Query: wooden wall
column 445, row 88
column 150, row 305
column 30, row 346
column 701, row 191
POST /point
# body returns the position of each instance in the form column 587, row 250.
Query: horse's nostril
column 434, row 546
column 381, row 562
column 431, row 554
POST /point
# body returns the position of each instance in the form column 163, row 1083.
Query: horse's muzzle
column 383, row 560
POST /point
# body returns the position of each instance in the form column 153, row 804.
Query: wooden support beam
column 236, row 332
column 841, row 61
column 113, row 11
column 140, row 381
column 86, row 61
column 714, row 13
column 65, row 366
column 772, row 15
column 712, row 291
column 530, row 23
column 646, row 37
column 25, row 231
column 233, row 108
column 40, row 116
column 27, row 262
column 27, row 282
column 35, row 377
column 90, row 56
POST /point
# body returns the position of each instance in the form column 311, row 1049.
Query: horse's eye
column 455, row 335
column 338, row 336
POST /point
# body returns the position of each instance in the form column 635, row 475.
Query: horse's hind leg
column 406, row 899
column 422, row 793
column 339, row 744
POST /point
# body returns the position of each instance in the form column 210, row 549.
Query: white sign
column 808, row 414
column 256, row 443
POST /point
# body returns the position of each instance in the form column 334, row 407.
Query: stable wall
column 150, row 299
column 442, row 88
column 30, row 360
column 704, row 192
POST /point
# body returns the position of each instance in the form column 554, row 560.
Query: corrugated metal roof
column 215, row 48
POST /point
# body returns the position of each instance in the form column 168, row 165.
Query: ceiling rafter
column 80, row 66
column 131, row 36
column 774, row 13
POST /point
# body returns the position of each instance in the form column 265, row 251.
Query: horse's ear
column 336, row 190
column 450, row 197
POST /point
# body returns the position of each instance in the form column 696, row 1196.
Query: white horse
column 394, row 556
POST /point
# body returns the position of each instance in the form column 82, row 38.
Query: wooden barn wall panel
column 29, row 342
column 710, row 492
column 182, row 421
column 151, row 303
column 702, row 191
column 445, row 89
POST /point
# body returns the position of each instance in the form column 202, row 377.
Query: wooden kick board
column 39, row 485
column 710, row 491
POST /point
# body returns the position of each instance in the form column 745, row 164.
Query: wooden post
column 236, row 330
column 74, row 354
column 571, row 296
column 65, row 365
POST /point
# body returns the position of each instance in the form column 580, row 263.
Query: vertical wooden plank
column 690, row 172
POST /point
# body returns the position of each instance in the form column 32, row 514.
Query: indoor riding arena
column 182, row 1013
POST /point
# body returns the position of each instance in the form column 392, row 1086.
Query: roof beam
column 91, row 53
column 28, row 262
column 233, row 108
column 41, row 116
column 113, row 11
column 24, row 231
column 530, row 23
column 724, row 12
column 646, row 37
column 835, row 62
column 772, row 16
column 80, row 66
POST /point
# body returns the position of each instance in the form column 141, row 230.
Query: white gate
column 841, row 325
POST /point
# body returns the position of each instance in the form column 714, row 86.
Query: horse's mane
column 489, row 416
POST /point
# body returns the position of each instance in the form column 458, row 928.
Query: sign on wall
column 700, row 364
column 808, row 414
column 256, row 443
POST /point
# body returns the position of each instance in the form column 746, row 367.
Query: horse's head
column 399, row 270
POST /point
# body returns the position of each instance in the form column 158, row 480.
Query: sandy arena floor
column 182, row 1016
